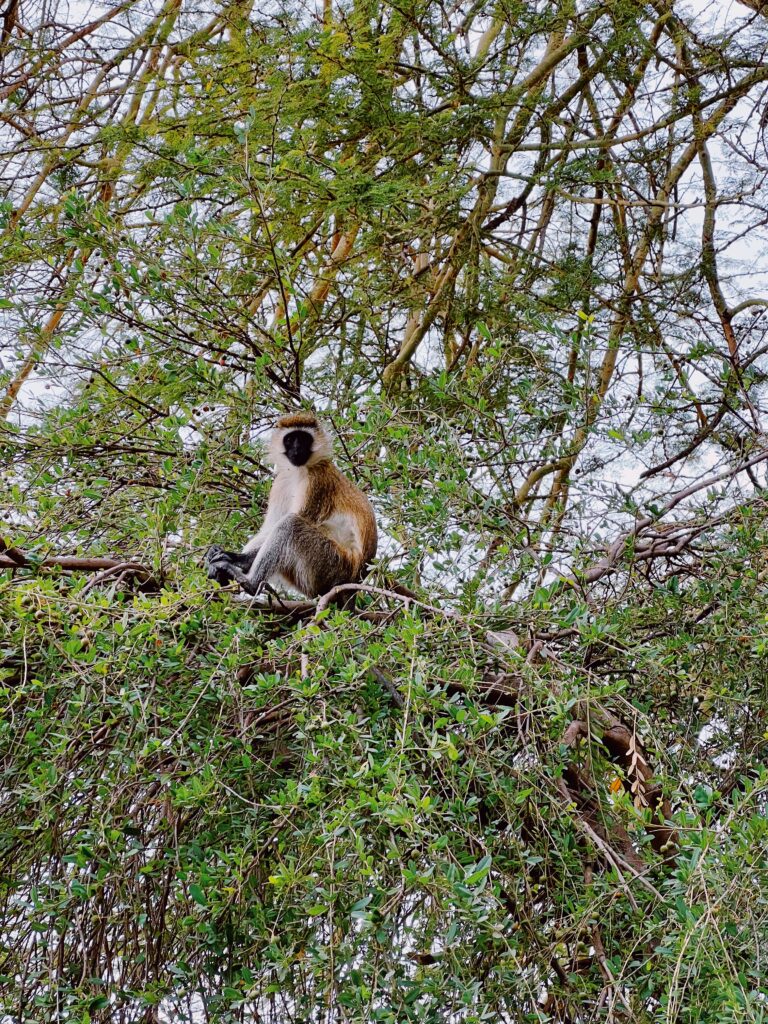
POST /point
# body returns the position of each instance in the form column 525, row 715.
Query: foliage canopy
column 517, row 253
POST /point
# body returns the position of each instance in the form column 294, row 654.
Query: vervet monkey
column 319, row 530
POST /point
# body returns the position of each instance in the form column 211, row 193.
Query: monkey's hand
column 221, row 567
column 218, row 565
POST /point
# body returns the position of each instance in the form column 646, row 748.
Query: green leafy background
column 419, row 221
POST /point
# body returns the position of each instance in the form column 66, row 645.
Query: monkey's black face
column 298, row 446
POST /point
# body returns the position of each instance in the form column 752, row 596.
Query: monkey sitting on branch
column 319, row 530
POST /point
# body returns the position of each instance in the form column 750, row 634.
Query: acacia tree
column 515, row 252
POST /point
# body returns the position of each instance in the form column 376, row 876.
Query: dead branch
column 12, row 558
column 626, row 750
column 660, row 544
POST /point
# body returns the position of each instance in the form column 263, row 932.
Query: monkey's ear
column 275, row 453
column 323, row 447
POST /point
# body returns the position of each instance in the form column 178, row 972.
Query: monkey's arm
column 223, row 566
column 253, row 545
